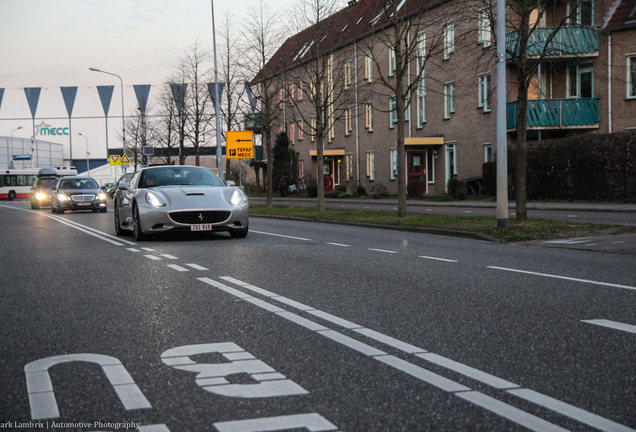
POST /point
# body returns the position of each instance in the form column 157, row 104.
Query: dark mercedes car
column 77, row 193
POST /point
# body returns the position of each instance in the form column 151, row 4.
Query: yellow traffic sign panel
column 115, row 160
column 239, row 144
column 125, row 159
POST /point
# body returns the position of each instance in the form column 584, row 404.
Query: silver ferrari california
column 179, row 198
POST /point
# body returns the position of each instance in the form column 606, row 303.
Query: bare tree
column 167, row 124
column 263, row 39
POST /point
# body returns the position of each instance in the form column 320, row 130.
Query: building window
column 280, row 129
column 370, row 165
column 407, row 110
column 451, row 162
column 484, row 92
column 312, row 128
column 421, row 85
column 300, row 90
column 301, row 169
column 580, row 82
column 449, row 99
column 631, row 77
column 349, row 166
column 291, row 94
column 392, row 61
column 347, row 121
column 394, row 160
column 300, row 130
column 368, row 68
column 483, row 28
column 488, row 153
column 280, row 97
column 292, row 133
column 368, row 110
column 347, row 75
column 392, row 113
column 449, row 40
column 430, row 165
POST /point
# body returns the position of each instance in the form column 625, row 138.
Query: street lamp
column 8, row 162
column 88, row 170
column 123, row 121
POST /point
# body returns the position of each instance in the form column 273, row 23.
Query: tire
column 95, row 210
column 102, row 210
column 118, row 230
column 53, row 209
column 138, row 233
column 35, row 206
column 11, row 196
column 239, row 233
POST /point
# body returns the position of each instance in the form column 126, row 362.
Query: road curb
column 434, row 231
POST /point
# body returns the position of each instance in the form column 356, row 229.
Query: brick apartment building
column 585, row 83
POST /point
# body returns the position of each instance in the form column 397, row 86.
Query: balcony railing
column 568, row 41
column 556, row 113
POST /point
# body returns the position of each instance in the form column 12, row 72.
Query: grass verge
column 532, row 229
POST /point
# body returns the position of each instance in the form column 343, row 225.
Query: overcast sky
column 52, row 43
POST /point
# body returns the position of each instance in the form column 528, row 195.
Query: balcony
column 568, row 42
column 556, row 114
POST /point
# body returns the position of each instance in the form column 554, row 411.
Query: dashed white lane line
column 382, row 250
column 572, row 216
column 169, row 256
column 280, row 235
column 564, row 278
column 438, row 259
column 338, row 244
column 196, row 267
column 152, row 257
column 612, row 324
column 148, row 249
column 133, row 250
column 178, row 268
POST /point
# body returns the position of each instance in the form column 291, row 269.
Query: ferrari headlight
column 40, row 196
column 62, row 197
column 154, row 200
column 236, row 198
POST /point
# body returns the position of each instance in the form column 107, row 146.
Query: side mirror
column 230, row 183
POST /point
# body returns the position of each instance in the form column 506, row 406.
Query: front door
column 417, row 165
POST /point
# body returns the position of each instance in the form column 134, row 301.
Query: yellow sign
column 239, row 144
column 115, row 160
column 125, row 159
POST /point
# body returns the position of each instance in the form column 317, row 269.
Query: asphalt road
column 308, row 326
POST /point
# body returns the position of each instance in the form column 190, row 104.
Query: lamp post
column 9, row 162
column 219, row 149
column 123, row 121
column 88, row 170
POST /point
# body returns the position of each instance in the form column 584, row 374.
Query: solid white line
column 334, row 319
column 352, row 343
column 564, row 277
column 152, row 257
column 570, row 411
column 468, row 371
column 119, row 239
column 101, row 237
column 612, row 324
column 382, row 250
column 178, row 268
column 338, row 244
column 438, row 259
column 169, row 256
column 510, row 412
column 196, row 266
column 422, row 374
column 388, row 340
column 280, row 235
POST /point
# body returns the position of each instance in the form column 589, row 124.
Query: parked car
column 179, row 198
column 77, row 193
column 110, row 192
column 41, row 187
column 105, row 186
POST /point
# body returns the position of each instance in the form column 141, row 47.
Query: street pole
column 502, row 146
column 88, row 169
column 219, row 150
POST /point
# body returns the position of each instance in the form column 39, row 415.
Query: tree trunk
column 270, row 171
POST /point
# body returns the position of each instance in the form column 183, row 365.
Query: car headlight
column 101, row 196
column 154, row 200
column 236, row 198
column 40, row 196
column 62, row 197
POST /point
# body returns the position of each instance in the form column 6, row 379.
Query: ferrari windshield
column 178, row 176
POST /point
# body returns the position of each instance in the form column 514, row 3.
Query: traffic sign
column 21, row 157
column 124, row 159
column 239, row 144
column 115, row 160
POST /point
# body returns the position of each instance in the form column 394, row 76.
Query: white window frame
column 392, row 61
column 347, row 75
column 292, row 132
column 484, row 92
column 312, row 129
column 631, row 76
column 368, row 110
column 450, row 147
column 301, row 133
column 392, row 112
column 579, row 70
column 393, row 157
column 349, row 166
column 368, row 68
column 347, row 122
column 371, row 165
column 484, row 33
column 449, row 39
column 449, row 99
column 487, row 152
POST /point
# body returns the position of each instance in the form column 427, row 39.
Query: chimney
column 352, row 3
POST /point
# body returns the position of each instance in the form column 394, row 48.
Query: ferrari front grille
column 199, row 217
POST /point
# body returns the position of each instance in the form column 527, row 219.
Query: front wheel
column 35, row 205
column 239, row 233
column 118, row 230
column 138, row 233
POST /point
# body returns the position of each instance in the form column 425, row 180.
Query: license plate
column 83, row 204
column 201, row 227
